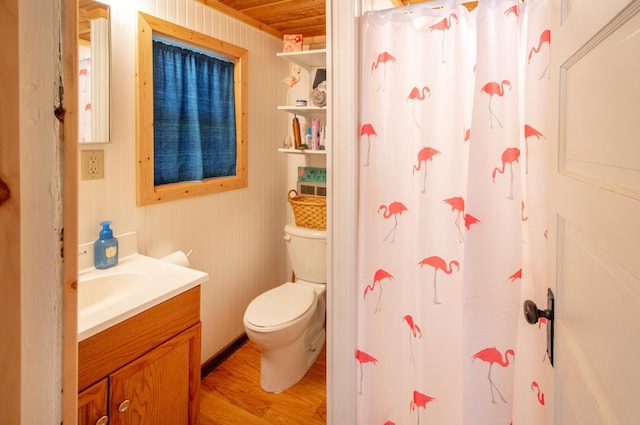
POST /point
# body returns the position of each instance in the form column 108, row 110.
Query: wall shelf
column 307, row 59
column 303, row 151
column 301, row 110
column 305, row 111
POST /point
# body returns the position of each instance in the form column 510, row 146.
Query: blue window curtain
column 194, row 115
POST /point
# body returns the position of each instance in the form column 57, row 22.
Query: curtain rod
column 469, row 4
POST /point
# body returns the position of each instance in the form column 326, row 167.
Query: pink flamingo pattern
column 83, row 72
column 377, row 279
column 536, row 387
column 509, row 157
column 382, row 58
column 494, row 88
column 368, row 130
column 414, row 333
column 457, row 206
column 394, row 209
column 513, row 10
column 438, row 264
column 363, row 358
column 469, row 220
column 425, row 154
column 492, row 356
column 438, row 157
column 420, row 400
column 516, row 275
column 530, row 132
column 417, row 94
column 545, row 37
column 443, row 25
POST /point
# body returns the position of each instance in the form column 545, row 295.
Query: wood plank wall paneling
column 10, row 215
column 235, row 236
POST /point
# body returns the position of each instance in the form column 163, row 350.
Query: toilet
column 287, row 322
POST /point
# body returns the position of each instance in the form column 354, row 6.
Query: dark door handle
column 532, row 314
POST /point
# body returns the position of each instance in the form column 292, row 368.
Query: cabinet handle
column 103, row 420
column 124, row 406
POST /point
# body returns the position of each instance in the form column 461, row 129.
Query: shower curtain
column 452, row 219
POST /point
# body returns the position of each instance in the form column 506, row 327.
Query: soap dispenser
column 105, row 249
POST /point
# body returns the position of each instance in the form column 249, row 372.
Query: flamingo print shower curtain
column 452, row 217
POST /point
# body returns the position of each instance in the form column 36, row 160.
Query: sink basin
column 107, row 297
column 106, row 289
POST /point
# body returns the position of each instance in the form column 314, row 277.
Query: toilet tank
column 307, row 250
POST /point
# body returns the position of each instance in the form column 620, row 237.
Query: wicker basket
column 309, row 211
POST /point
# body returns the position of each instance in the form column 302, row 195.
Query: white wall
column 235, row 236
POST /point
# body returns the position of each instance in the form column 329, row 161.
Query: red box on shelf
column 292, row 43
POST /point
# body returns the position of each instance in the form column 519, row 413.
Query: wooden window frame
column 147, row 192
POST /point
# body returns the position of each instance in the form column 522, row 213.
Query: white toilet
column 287, row 322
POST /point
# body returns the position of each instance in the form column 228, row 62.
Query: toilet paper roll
column 178, row 257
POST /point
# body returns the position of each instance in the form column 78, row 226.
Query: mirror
column 94, row 72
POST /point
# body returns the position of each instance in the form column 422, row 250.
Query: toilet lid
column 279, row 305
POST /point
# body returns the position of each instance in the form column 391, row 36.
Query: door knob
column 532, row 314
column 103, row 420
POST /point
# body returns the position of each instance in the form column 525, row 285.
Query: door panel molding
column 597, row 299
column 573, row 368
column 596, row 140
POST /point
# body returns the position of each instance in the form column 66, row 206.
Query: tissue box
column 292, row 43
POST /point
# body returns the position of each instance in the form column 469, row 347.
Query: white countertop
column 162, row 280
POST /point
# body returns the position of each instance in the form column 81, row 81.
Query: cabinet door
column 92, row 404
column 161, row 387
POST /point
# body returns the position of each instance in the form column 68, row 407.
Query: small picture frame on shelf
column 292, row 43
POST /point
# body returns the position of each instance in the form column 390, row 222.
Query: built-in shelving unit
column 310, row 60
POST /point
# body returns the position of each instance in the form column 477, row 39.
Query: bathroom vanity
column 144, row 370
column 139, row 344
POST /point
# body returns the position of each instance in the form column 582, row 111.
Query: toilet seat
column 279, row 306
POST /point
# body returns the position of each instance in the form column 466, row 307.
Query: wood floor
column 231, row 394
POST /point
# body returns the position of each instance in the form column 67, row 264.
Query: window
column 196, row 145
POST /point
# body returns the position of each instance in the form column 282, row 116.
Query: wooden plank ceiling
column 280, row 17
column 88, row 10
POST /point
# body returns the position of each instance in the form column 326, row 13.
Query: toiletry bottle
column 323, row 133
column 105, row 249
column 308, row 138
column 296, row 132
column 315, row 130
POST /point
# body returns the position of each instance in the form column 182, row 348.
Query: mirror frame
column 97, row 105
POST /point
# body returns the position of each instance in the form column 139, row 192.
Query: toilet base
column 282, row 368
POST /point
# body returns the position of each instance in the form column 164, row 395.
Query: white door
column 596, row 207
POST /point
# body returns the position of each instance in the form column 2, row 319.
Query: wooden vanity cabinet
column 147, row 367
column 92, row 404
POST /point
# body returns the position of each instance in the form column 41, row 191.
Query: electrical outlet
column 92, row 165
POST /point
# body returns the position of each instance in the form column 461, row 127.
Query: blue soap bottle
column 105, row 249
